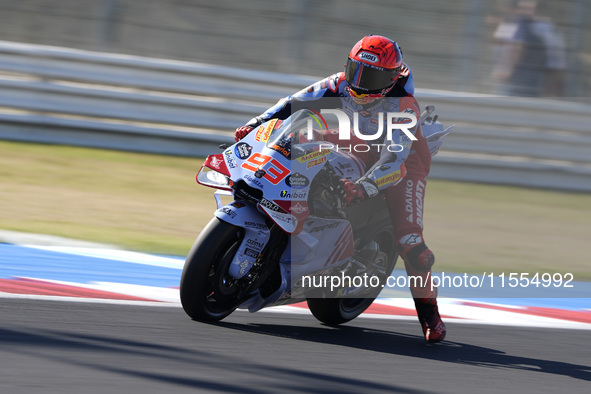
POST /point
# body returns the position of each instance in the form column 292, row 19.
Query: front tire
column 207, row 291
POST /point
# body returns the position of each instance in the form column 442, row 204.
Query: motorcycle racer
column 376, row 80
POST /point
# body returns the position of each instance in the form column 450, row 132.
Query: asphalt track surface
column 51, row 346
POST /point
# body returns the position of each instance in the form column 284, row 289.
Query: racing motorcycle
column 287, row 235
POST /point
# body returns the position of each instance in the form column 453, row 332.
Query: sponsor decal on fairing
column 243, row 150
column 297, row 181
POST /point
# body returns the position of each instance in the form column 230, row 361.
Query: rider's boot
column 431, row 323
column 418, row 260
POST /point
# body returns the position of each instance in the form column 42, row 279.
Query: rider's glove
column 351, row 193
column 355, row 193
column 242, row 132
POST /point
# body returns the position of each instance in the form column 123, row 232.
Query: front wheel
column 208, row 293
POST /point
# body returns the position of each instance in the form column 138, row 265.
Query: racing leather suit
column 402, row 175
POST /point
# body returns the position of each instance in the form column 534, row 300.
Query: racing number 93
column 274, row 173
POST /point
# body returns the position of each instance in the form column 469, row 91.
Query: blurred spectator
column 530, row 57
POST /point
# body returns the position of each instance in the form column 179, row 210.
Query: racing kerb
column 65, row 96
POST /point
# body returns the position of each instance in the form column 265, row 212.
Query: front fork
column 256, row 233
column 257, row 258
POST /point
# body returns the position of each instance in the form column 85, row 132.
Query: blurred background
column 176, row 77
column 84, row 82
column 450, row 45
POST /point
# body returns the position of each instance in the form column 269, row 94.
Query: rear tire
column 334, row 311
column 207, row 292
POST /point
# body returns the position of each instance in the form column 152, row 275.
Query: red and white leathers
column 401, row 175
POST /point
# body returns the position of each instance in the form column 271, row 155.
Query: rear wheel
column 208, row 293
column 334, row 311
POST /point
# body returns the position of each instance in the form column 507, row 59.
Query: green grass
column 140, row 202
column 151, row 203
column 475, row 228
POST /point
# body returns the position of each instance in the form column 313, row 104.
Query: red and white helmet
column 373, row 66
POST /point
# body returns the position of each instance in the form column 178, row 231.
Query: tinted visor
column 368, row 79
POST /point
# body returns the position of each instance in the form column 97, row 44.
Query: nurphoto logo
column 394, row 121
column 402, row 121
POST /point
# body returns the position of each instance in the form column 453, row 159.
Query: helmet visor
column 369, row 79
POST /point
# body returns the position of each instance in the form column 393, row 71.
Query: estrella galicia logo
column 243, row 150
column 297, row 181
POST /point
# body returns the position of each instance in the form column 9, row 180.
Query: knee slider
column 419, row 256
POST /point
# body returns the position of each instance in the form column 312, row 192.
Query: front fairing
column 274, row 167
column 268, row 165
